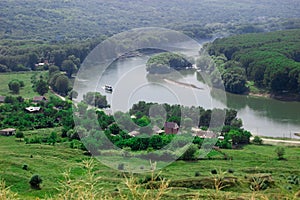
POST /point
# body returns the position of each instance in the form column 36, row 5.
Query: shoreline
column 182, row 84
column 279, row 141
column 280, row 97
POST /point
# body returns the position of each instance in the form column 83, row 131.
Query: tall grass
column 6, row 193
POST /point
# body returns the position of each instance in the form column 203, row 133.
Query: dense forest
column 32, row 31
column 270, row 60
column 50, row 32
column 71, row 20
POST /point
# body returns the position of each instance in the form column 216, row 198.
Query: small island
column 166, row 62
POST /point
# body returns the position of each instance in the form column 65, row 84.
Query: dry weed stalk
column 155, row 191
column 6, row 193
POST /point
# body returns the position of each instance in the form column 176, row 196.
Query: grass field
column 27, row 91
column 51, row 161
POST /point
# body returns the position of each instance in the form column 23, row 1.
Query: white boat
column 108, row 88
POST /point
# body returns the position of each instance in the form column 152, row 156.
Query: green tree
column 41, row 87
column 52, row 69
column 234, row 80
column 14, row 86
column 62, row 84
column 69, row 67
column 95, row 99
column 32, row 60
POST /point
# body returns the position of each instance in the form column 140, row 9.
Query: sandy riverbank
column 274, row 141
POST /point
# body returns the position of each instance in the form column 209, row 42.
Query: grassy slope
column 51, row 161
column 26, row 92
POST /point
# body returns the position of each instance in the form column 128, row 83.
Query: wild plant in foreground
column 154, row 189
column 82, row 188
column 6, row 193
column 219, row 180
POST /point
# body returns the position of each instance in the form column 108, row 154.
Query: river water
column 131, row 83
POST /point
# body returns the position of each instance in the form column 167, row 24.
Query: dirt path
column 61, row 97
column 282, row 142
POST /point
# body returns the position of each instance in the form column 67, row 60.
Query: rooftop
column 33, row 109
column 8, row 130
column 172, row 125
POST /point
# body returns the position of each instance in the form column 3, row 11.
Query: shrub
column 280, row 151
column 19, row 135
column 259, row 183
column 197, row 174
column 293, row 179
column 190, row 153
column 25, row 167
column 36, row 181
column 257, row 140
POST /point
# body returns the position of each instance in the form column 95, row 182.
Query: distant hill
column 76, row 19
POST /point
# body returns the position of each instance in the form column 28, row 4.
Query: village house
column 134, row 133
column 8, row 132
column 39, row 99
column 157, row 130
column 32, row 109
column 171, row 128
column 202, row 133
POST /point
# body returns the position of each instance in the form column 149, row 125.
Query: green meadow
column 26, row 91
column 186, row 180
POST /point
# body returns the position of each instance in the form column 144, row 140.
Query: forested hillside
column 34, row 31
column 270, row 60
column 58, row 20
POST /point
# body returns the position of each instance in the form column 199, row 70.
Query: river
column 260, row 115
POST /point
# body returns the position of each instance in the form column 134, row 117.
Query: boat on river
column 108, row 88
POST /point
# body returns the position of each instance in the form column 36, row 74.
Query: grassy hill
column 185, row 178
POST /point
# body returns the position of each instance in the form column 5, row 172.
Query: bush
column 190, row 153
column 121, row 166
column 36, row 181
column 280, row 151
column 197, row 174
column 25, row 167
column 259, row 183
column 257, row 140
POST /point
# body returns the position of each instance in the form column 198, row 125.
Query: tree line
column 117, row 128
column 270, row 60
